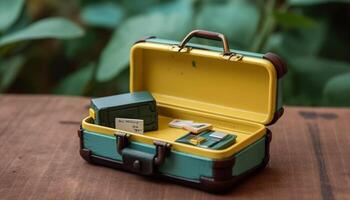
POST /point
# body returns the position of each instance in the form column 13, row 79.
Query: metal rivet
column 136, row 164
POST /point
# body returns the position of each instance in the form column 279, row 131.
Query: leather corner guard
column 278, row 63
column 144, row 39
column 267, row 147
column 276, row 116
column 84, row 153
column 222, row 169
column 80, row 135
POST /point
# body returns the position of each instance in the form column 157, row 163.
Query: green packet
column 136, row 105
column 209, row 140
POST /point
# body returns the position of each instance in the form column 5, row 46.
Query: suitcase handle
column 207, row 35
column 162, row 150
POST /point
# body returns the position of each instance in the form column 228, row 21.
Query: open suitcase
column 238, row 92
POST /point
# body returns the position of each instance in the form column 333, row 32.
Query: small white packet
column 197, row 127
column 179, row 123
column 218, row 135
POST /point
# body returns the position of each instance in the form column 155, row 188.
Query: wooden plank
column 310, row 157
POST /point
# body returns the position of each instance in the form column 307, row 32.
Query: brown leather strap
column 207, row 35
column 162, row 149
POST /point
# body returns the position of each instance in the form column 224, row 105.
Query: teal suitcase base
column 157, row 161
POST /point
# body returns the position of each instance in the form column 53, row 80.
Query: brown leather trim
column 227, row 163
column 86, row 154
column 221, row 186
column 106, row 162
column 267, row 146
column 276, row 116
column 144, row 39
column 162, row 151
column 222, row 169
column 80, row 135
column 121, row 141
column 207, row 35
column 278, row 63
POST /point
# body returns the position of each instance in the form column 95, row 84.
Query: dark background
column 81, row 47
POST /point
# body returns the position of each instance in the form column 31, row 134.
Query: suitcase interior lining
column 246, row 132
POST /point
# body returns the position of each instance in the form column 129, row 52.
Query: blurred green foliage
column 84, row 44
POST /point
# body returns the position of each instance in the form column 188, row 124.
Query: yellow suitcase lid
column 224, row 84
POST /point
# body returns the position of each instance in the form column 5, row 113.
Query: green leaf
column 173, row 24
column 104, row 14
column 58, row 28
column 10, row 10
column 336, row 44
column 9, row 70
column 138, row 7
column 314, row 2
column 298, row 43
column 312, row 73
column 337, row 90
column 288, row 86
column 123, row 82
column 82, row 46
column 238, row 20
column 293, row 20
column 76, row 82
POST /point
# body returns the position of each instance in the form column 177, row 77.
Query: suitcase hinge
column 176, row 48
column 233, row 57
column 122, row 141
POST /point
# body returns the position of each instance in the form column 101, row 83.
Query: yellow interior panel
column 205, row 81
column 169, row 135
column 246, row 132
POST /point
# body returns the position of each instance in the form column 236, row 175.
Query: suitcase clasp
column 139, row 161
column 162, row 150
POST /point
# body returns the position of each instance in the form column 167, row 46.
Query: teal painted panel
column 249, row 157
column 176, row 164
column 101, row 145
column 183, row 165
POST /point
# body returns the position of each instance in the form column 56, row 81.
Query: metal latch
column 234, row 57
column 176, row 48
column 139, row 161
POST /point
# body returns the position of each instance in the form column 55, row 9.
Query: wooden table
column 310, row 157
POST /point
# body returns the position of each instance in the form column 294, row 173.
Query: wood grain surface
column 310, row 157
